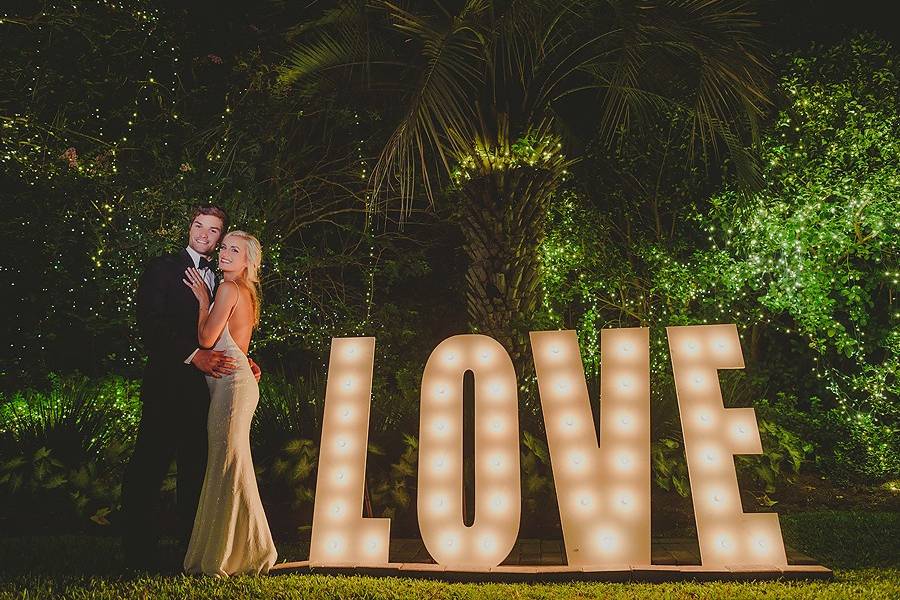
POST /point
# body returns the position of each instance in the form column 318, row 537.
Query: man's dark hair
column 213, row 210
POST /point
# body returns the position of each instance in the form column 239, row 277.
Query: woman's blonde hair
column 250, row 280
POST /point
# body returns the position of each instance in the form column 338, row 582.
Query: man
column 174, row 393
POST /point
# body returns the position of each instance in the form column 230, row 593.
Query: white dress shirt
column 209, row 278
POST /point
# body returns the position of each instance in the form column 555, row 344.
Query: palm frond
column 440, row 113
column 697, row 55
column 335, row 40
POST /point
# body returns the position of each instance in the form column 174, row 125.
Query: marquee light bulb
column 606, row 541
column 339, row 531
column 590, row 472
column 445, row 534
column 725, row 532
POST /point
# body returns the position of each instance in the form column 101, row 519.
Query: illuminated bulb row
column 583, row 472
column 340, row 534
column 484, row 354
column 719, row 346
column 712, row 435
column 497, row 478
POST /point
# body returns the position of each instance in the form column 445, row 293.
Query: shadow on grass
column 845, row 539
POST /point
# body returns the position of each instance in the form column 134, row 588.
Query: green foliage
column 862, row 545
column 669, row 466
column 849, row 443
column 807, row 265
column 102, row 161
column 287, row 411
column 63, row 450
column 783, row 455
column 393, row 492
column 540, row 511
column 75, row 417
column 845, row 540
column 816, row 250
column 292, row 472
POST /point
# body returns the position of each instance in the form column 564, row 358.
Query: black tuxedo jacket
column 167, row 321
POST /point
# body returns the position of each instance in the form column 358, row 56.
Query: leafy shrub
column 76, row 417
column 669, row 466
column 392, row 491
column 858, row 449
column 287, row 411
column 784, row 452
column 540, row 510
column 63, row 450
column 291, row 473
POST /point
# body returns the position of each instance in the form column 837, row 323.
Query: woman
column 231, row 534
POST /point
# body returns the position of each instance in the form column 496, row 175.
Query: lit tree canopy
column 817, row 248
column 807, row 265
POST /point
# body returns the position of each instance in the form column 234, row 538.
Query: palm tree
column 480, row 96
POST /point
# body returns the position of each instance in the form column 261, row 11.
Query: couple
column 193, row 326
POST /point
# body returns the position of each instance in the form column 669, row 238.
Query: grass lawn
column 862, row 547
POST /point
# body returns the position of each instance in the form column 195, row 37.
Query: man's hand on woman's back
column 214, row 363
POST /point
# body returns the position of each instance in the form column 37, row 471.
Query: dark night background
column 118, row 118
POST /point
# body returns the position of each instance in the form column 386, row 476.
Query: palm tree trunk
column 503, row 214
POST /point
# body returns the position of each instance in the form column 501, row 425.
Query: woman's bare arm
column 210, row 323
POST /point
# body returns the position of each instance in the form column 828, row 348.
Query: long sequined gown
column 231, row 534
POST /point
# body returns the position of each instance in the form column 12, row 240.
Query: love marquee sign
column 603, row 489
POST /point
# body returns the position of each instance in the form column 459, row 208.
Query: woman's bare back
column 240, row 323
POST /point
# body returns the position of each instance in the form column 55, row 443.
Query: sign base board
column 564, row 573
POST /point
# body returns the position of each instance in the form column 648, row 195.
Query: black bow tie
column 205, row 263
